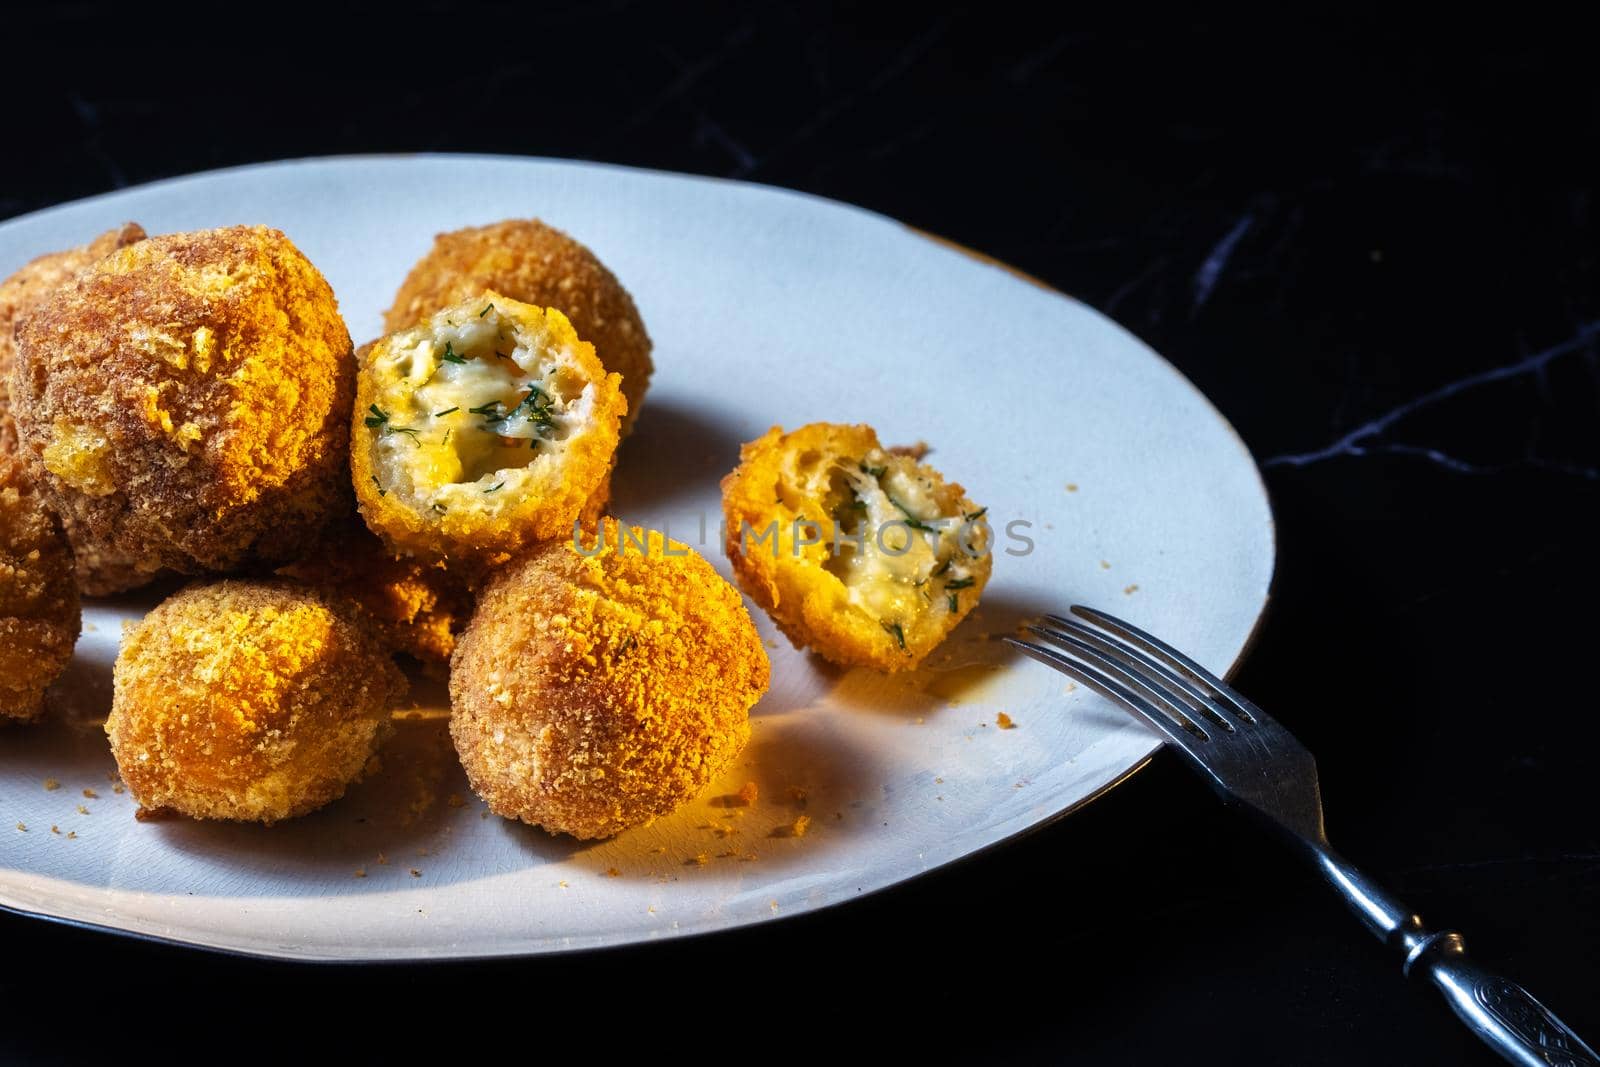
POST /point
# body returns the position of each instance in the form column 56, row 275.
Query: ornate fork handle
column 1505, row 1016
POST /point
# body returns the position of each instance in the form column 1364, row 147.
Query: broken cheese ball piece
column 488, row 427
column 868, row 557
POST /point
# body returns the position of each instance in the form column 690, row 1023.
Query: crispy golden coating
column 187, row 397
column 22, row 292
column 249, row 700
column 488, row 427
column 418, row 606
column 100, row 570
column 39, row 617
column 866, row 556
column 536, row 264
column 594, row 693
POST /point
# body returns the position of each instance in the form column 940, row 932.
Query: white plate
column 766, row 307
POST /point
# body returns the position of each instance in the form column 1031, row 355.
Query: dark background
column 1373, row 247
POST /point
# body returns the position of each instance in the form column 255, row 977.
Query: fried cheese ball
column 536, row 264
column 39, row 616
column 187, row 398
column 23, row 291
column 488, row 427
column 866, row 556
column 253, row 701
column 418, row 606
column 592, row 693
column 100, row 569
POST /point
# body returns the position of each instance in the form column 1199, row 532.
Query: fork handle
column 1505, row 1016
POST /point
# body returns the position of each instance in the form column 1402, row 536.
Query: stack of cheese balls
column 192, row 404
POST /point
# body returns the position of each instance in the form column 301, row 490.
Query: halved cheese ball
column 537, row 264
column 865, row 556
column 487, row 427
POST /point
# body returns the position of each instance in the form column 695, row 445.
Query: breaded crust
column 101, row 571
column 593, row 694
column 536, row 264
column 418, row 606
column 249, row 700
column 22, row 292
column 187, row 397
column 410, row 422
column 39, row 616
column 886, row 612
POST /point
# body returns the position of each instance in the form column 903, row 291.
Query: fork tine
column 1072, row 632
column 1173, row 707
column 1129, row 632
column 1109, row 687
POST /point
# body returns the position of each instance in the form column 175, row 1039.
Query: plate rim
column 677, row 936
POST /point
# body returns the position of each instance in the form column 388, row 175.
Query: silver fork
column 1256, row 764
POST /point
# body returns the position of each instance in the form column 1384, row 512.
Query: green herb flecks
column 911, row 520
column 381, row 490
column 941, row 568
column 975, row 515
column 955, row 604
column 490, row 411
column 408, row 431
column 485, row 311
column 959, row 583
column 450, row 355
column 894, row 631
column 875, row 472
column 446, row 411
column 536, row 405
column 378, row 416
column 494, row 488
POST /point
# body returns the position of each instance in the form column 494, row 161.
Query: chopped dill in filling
column 468, row 406
column 896, row 554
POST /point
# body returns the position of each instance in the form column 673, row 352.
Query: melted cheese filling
column 895, row 553
column 468, row 411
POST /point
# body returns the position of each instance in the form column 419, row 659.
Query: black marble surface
column 1373, row 247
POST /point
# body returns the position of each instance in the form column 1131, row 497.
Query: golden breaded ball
column 488, row 427
column 39, row 616
column 23, row 291
column 593, row 693
column 188, row 397
column 536, row 264
column 863, row 554
column 418, row 606
column 101, row 570
column 249, row 700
